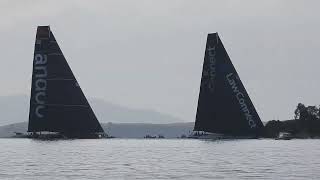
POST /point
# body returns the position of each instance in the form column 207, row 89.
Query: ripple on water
column 159, row 159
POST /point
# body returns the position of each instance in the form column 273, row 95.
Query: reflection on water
column 159, row 159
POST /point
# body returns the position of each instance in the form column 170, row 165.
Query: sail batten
column 57, row 103
column 55, row 54
column 63, row 105
column 224, row 105
column 59, row 79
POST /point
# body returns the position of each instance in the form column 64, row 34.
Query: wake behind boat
column 58, row 107
column 224, row 107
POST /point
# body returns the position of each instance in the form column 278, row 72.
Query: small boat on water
column 58, row 107
column 148, row 136
column 225, row 110
column 284, row 136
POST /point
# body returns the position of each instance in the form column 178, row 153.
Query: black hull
column 56, row 136
column 221, row 137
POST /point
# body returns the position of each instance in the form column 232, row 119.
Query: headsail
column 224, row 105
column 57, row 103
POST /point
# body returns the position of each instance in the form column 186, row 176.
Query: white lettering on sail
column 38, row 114
column 38, row 97
column 240, row 97
column 42, row 71
column 41, row 85
column 210, row 71
column 40, row 82
column 40, row 59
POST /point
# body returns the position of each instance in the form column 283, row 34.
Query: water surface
column 159, row 159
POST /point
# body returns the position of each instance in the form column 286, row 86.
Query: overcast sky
column 149, row 54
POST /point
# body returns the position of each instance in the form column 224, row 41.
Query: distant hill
column 14, row 109
column 8, row 130
column 121, row 130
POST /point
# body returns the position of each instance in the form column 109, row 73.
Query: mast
column 57, row 103
column 224, row 105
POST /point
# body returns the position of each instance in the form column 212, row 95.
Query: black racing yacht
column 224, row 106
column 58, row 107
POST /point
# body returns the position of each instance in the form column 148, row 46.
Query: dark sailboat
column 58, row 107
column 224, row 107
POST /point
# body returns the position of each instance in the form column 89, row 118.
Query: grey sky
column 149, row 54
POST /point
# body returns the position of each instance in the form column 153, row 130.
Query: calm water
column 159, row 159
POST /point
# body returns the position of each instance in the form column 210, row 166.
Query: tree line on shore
column 306, row 123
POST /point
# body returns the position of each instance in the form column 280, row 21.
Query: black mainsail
column 57, row 103
column 224, row 105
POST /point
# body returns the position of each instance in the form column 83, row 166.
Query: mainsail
column 57, row 103
column 224, row 105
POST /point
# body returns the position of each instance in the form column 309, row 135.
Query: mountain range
column 119, row 130
column 118, row 121
column 15, row 109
